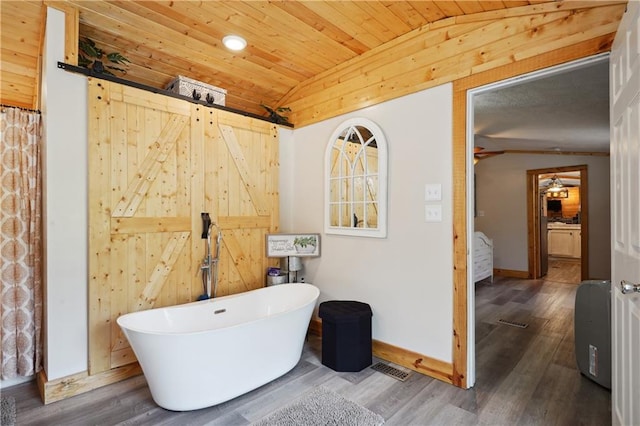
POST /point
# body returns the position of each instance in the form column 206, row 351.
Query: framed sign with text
column 284, row 245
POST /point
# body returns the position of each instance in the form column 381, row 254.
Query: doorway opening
column 490, row 142
column 558, row 222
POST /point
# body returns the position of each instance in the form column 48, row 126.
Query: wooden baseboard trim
column 315, row 327
column 76, row 384
column 510, row 273
column 417, row 362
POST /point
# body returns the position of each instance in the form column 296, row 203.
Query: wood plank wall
column 448, row 50
column 571, row 205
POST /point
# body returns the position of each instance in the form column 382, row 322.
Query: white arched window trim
column 369, row 176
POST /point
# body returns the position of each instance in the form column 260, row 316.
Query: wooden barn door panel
column 242, row 173
column 156, row 163
column 141, row 215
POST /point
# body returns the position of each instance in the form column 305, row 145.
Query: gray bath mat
column 322, row 407
column 7, row 411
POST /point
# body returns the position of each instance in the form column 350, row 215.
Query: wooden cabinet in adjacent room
column 564, row 242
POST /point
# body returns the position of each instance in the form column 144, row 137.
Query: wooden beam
column 71, row 35
column 38, row 71
column 127, row 225
column 71, row 29
column 460, row 299
column 244, row 222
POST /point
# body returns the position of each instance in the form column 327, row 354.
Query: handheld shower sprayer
column 206, row 225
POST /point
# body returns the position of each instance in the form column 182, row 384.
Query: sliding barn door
column 155, row 164
column 242, row 175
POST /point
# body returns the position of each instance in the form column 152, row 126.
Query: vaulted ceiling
column 294, row 47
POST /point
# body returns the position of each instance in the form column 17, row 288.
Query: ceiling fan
column 479, row 153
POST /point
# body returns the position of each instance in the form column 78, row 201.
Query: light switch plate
column 433, row 192
column 433, row 213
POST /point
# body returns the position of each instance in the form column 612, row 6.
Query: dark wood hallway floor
column 563, row 270
column 525, row 376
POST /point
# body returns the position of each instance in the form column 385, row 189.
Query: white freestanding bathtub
column 204, row 353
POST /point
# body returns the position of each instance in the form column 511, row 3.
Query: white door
column 625, row 219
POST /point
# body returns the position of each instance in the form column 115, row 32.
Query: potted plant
column 276, row 114
column 90, row 56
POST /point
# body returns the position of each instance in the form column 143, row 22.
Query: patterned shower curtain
column 20, row 242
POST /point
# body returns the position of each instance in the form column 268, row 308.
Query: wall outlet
column 433, row 213
column 433, row 192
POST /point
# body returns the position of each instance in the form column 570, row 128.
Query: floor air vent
column 391, row 371
column 513, row 323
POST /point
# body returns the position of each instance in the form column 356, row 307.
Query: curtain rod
column 22, row 108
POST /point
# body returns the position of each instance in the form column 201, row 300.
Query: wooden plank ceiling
column 289, row 42
column 21, row 38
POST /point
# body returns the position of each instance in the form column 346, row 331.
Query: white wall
column 65, row 208
column 285, row 137
column 407, row 278
column 501, row 199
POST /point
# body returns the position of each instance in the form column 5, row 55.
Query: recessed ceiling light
column 234, row 42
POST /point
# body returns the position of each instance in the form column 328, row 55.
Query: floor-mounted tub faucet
column 209, row 266
column 205, row 267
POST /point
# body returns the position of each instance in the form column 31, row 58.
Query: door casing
column 533, row 218
column 464, row 290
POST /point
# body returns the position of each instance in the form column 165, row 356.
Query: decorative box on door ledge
column 197, row 90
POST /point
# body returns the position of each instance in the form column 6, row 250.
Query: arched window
column 356, row 180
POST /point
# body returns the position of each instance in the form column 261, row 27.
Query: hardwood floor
column 563, row 270
column 525, row 376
